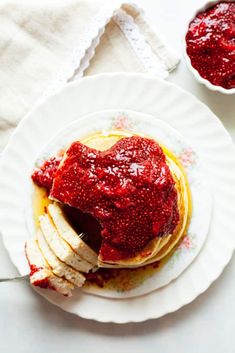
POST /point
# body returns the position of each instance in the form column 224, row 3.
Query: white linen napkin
column 44, row 45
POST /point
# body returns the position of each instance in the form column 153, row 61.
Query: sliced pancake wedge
column 58, row 267
column 41, row 274
column 70, row 236
column 60, row 247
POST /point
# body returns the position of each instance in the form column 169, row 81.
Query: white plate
column 146, row 125
column 164, row 101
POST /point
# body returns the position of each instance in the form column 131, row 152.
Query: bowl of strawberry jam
column 210, row 46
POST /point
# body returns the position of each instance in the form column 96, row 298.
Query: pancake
column 41, row 274
column 60, row 247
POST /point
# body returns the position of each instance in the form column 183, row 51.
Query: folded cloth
column 45, row 44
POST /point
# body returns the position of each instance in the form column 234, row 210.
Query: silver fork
column 14, row 279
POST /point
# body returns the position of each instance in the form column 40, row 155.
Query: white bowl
column 196, row 74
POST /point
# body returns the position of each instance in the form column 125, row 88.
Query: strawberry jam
column 128, row 188
column 211, row 44
column 44, row 175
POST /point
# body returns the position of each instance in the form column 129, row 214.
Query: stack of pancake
column 59, row 256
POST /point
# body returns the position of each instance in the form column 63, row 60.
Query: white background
column 30, row 324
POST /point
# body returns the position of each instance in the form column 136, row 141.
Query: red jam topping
column 42, row 283
column 33, row 269
column 129, row 189
column 211, row 44
column 44, row 175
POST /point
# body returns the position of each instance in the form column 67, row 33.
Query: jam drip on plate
column 211, row 44
column 129, row 189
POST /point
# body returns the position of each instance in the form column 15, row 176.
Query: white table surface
column 30, row 324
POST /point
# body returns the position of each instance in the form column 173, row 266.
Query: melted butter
column 125, row 279
column 40, row 203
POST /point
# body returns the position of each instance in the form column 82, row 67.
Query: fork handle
column 13, row 279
